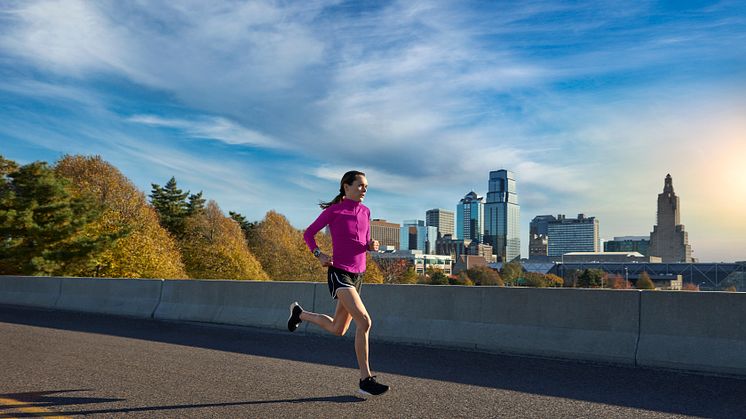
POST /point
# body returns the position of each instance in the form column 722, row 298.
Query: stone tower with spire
column 668, row 240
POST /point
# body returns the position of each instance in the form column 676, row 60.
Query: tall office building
column 567, row 235
column 470, row 217
column 502, row 216
column 415, row 235
column 538, row 230
column 441, row 219
column 386, row 233
column 668, row 240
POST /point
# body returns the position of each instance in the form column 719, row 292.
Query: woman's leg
column 350, row 300
column 336, row 326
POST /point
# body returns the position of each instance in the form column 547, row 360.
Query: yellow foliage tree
column 214, row 247
column 283, row 252
column 373, row 272
column 147, row 251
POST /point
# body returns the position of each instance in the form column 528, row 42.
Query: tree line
column 82, row 217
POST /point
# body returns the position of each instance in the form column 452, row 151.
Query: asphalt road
column 69, row 364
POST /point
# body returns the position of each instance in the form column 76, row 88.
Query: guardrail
column 701, row 332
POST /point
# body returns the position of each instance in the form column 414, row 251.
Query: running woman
column 349, row 222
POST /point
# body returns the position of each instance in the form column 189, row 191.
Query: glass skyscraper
column 415, row 235
column 470, row 217
column 502, row 216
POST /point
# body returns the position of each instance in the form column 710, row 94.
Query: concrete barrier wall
column 698, row 331
column 596, row 325
column 702, row 331
column 29, row 291
column 124, row 297
column 245, row 303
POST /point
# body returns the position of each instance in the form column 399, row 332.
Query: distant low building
column 608, row 257
column 466, row 262
column 640, row 244
column 420, row 261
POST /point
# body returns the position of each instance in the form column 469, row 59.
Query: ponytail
column 337, row 199
column 347, row 179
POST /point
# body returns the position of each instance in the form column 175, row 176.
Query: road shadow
column 655, row 390
column 46, row 399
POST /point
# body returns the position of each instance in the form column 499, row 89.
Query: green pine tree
column 171, row 205
column 43, row 226
column 196, row 204
column 591, row 278
column 247, row 227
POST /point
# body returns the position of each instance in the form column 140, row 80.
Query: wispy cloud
column 584, row 104
column 215, row 128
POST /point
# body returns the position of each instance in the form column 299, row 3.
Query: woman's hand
column 324, row 259
column 373, row 245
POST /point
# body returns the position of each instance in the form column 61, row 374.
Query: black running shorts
column 338, row 278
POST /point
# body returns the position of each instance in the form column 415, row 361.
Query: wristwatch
column 317, row 252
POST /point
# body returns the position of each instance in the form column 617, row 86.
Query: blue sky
column 263, row 105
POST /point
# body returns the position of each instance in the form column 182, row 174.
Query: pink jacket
column 349, row 224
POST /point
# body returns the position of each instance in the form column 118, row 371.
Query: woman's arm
column 309, row 235
column 371, row 244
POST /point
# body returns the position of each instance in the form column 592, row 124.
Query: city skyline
column 265, row 105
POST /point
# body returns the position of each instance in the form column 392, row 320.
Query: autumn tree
column 644, row 282
column 373, row 274
column 461, row 279
column 510, row 272
column 214, row 247
column 554, row 280
column 45, row 228
column 6, row 168
column 283, row 253
column 688, row 286
column 409, row 277
column 148, row 250
column 617, row 282
column 392, row 269
column 535, row 279
column 483, row 275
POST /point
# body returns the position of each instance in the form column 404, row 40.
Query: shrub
column 644, row 282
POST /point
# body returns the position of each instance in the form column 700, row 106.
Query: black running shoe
column 371, row 387
column 294, row 319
